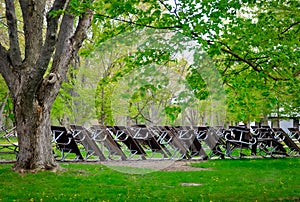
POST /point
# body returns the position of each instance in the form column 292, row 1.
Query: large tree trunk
column 33, row 125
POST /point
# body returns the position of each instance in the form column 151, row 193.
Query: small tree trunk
column 296, row 123
column 264, row 121
column 2, row 108
column 34, row 136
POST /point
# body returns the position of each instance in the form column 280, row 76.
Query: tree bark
column 33, row 126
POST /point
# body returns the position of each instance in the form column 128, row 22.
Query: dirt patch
column 190, row 184
column 164, row 165
column 183, row 166
column 154, row 165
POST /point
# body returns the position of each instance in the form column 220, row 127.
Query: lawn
column 225, row 180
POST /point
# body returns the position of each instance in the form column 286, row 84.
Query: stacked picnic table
column 8, row 141
column 141, row 142
column 173, row 142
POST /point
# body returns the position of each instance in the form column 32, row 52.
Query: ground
column 165, row 165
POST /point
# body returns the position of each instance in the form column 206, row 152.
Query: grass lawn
column 226, row 180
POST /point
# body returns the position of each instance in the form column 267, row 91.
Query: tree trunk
column 296, row 123
column 2, row 106
column 34, row 135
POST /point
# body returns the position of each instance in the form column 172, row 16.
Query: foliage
column 198, row 85
column 62, row 108
column 261, row 61
column 256, row 48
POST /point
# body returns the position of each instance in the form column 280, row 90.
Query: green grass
column 225, row 180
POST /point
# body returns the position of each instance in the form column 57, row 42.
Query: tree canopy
column 254, row 44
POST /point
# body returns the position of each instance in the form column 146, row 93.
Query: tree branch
column 63, row 41
column 47, row 49
column 61, row 59
column 258, row 58
column 166, row 7
column 4, row 61
column 140, row 112
column 5, row 25
column 81, row 30
column 6, row 68
column 51, row 36
column 251, row 64
column 68, row 45
column 226, row 67
column 69, row 42
column 236, row 72
column 14, row 51
column 288, row 28
column 137, row 24
column 297, row 73
column 33, row 17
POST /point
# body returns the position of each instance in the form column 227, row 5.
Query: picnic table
column 8, row 143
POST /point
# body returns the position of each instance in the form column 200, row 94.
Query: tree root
column 42, row 168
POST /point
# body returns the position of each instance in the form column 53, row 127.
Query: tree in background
column 6, row 112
